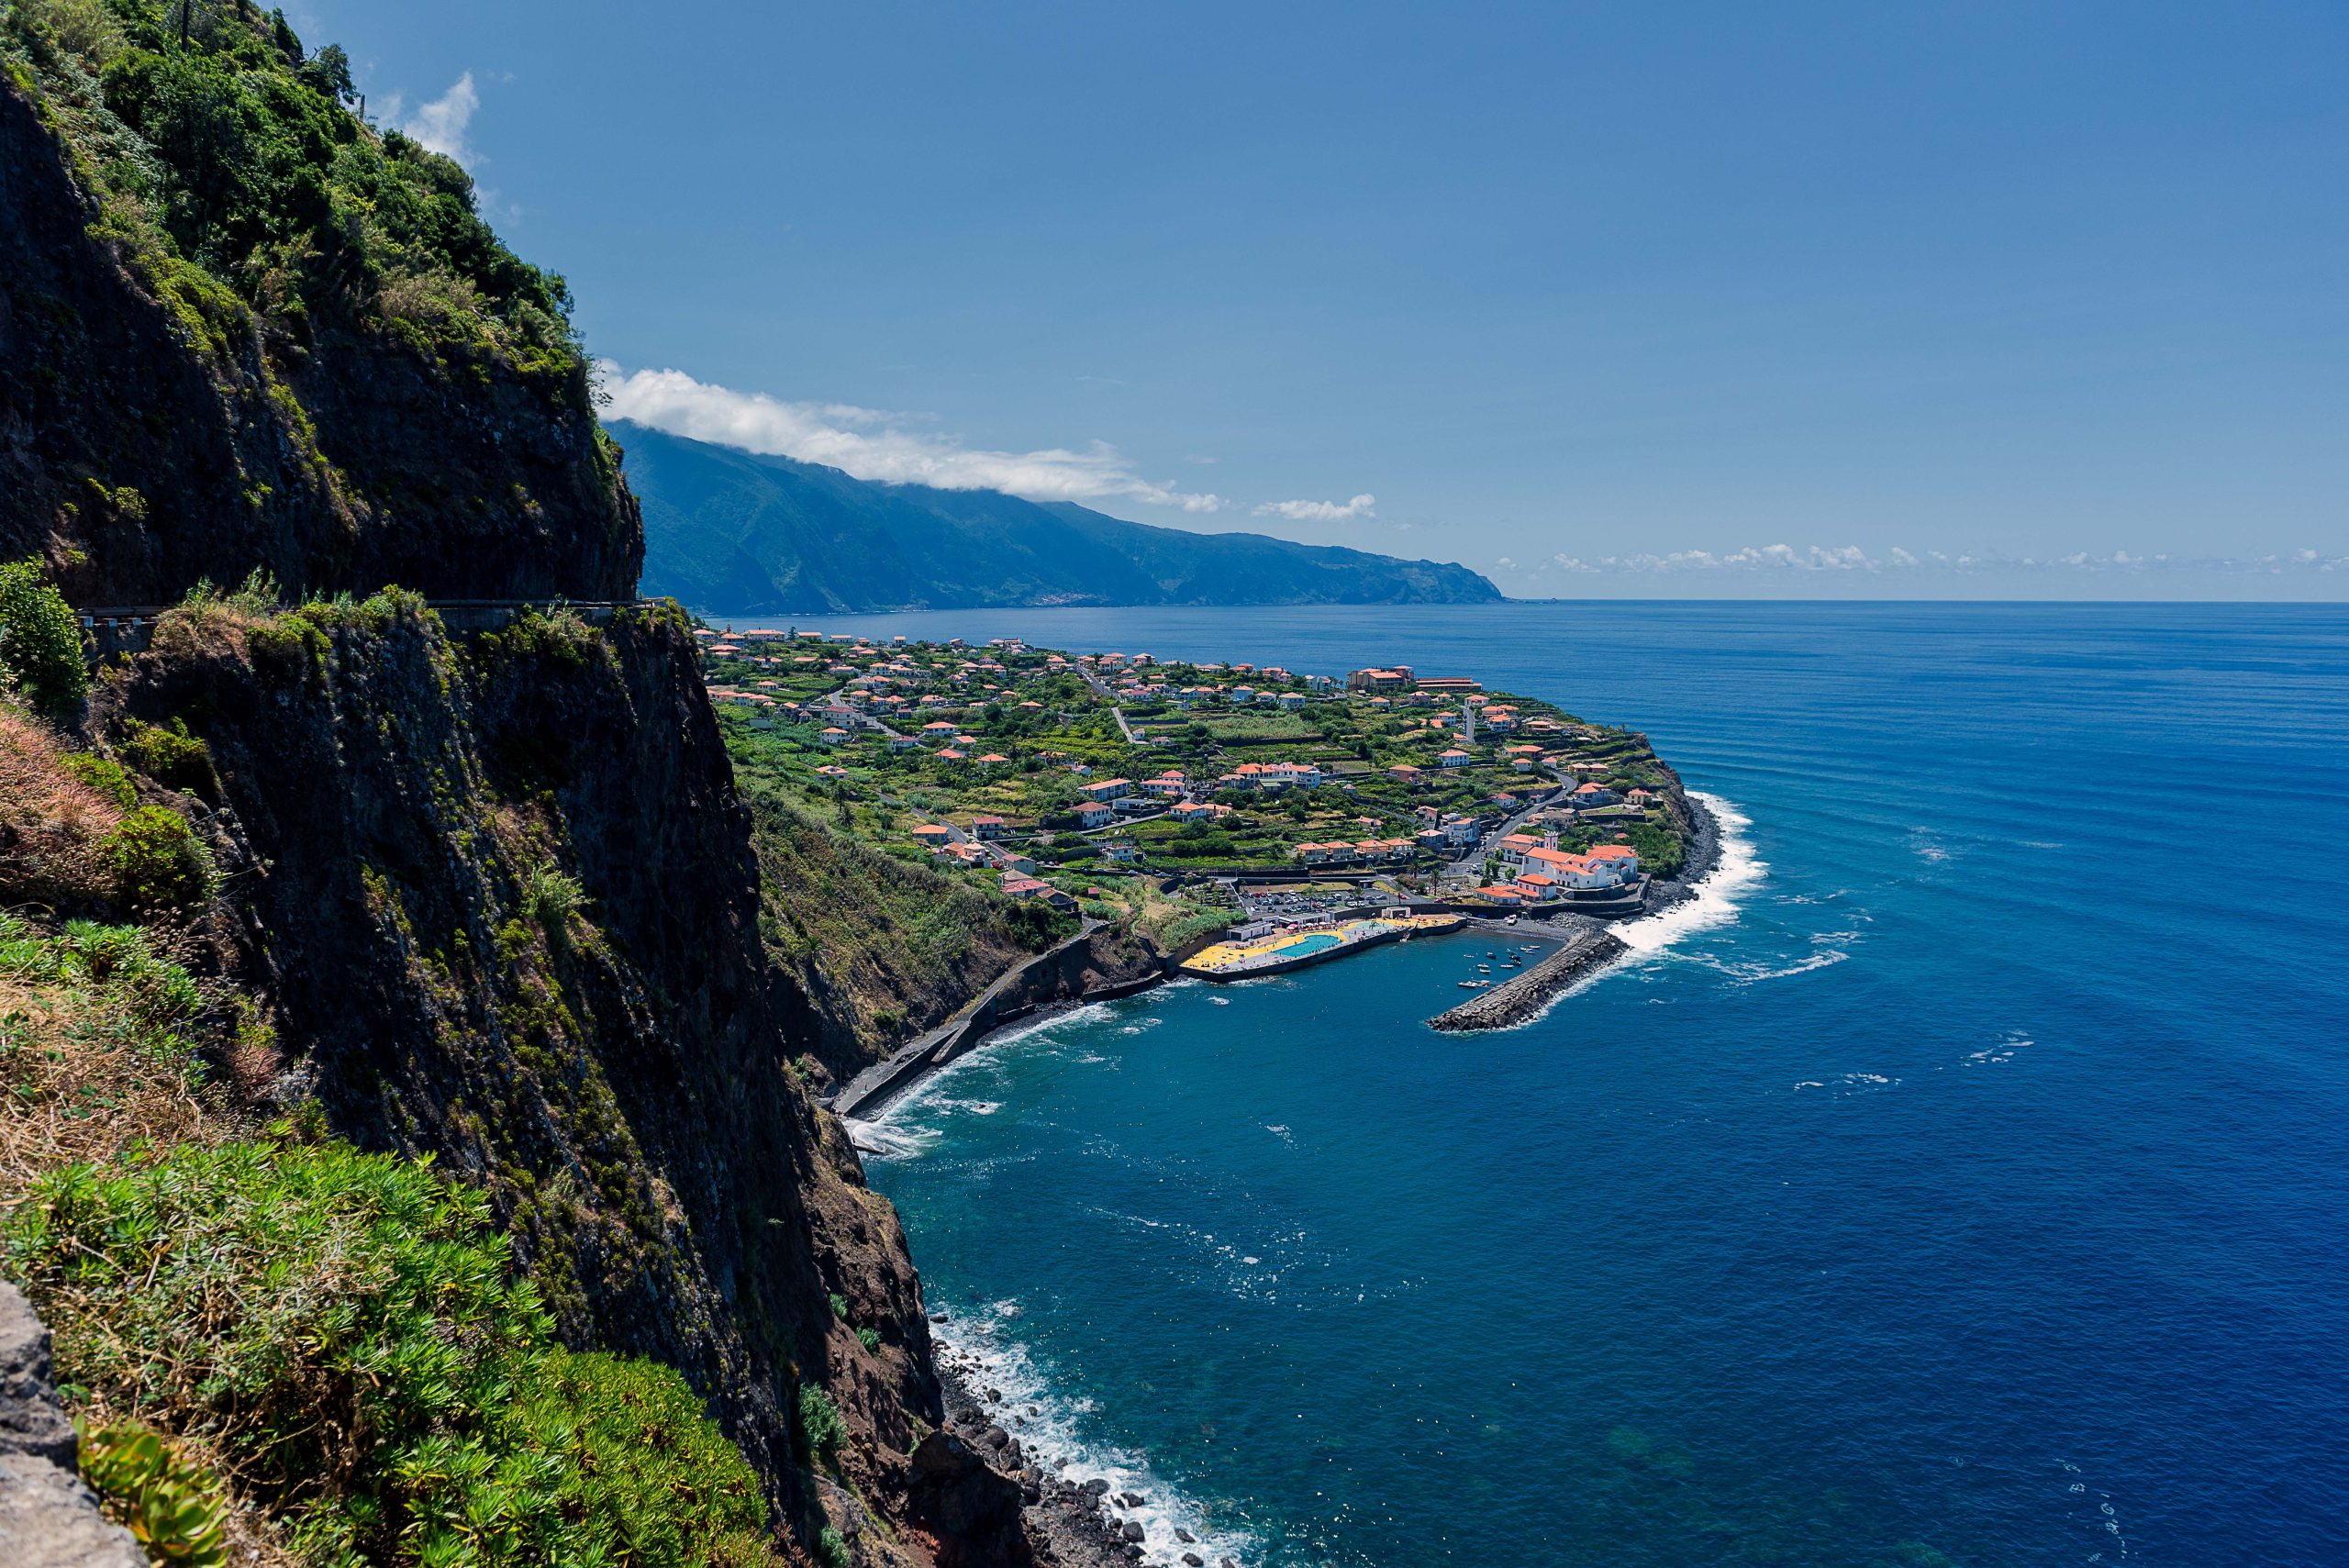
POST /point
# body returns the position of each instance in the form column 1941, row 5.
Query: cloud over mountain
column 872, row 444
column 1320, row 511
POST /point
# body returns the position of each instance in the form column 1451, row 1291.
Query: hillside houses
column 1289, row 770
column 1541, row 870
column 1364, row 851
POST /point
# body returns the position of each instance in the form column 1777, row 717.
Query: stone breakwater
column 1515, row 1001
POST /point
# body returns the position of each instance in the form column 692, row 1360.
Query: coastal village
column 1186, row 798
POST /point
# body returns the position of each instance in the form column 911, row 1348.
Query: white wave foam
column 1052, row 1429
column 1754, row 976
column 1716, row 900
column 889, row 1142
column 2004, row 1050
column 1927, row 848
column 930, row 1095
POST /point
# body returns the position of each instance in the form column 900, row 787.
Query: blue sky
column 1595, row 298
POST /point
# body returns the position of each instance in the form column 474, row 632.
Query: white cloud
column 1320, row 511
column 870, row 444
column 441, row 123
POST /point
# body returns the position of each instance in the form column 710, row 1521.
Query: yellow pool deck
column 1289, row 949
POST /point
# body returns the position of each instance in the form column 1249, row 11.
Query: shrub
column 551, row 898
column 99, row 1042
column 560, row 636
column 621, row 1446
column 821, row 1430
column 170, row 755
column 286, row 649
column 109, row 778
column 346, row 1330
column 870, row 1338
column 158, row 862
column 258, row 596
column 1035, row 925
column 172, row 1507
column 41, row 643
column 831, row 1548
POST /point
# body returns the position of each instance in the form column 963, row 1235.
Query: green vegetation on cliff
column 231, row 163
column 736, row 533
column 345, row 1331
column 41, row 648
column 242, row 328
column 485, row 906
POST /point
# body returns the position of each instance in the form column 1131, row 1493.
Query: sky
column 1906, row 301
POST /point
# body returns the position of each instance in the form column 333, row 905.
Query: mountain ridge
column 738, row 532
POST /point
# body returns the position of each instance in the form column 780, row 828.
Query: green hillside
column 733, row 532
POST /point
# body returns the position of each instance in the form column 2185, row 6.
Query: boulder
column 48, row 1518
column 973, row 1510
column 30, row 1421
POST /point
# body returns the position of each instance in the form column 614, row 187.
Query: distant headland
column 739, row 533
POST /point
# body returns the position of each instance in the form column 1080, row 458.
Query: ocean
column 1962, row 1180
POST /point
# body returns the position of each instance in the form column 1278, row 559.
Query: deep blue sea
column 1964, row 1180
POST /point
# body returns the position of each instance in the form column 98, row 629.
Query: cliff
column 485, row 907
column 606, row 1060
column 240, row 331
column 733, row 532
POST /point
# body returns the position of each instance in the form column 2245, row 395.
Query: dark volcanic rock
column 31, row 1422
column 48, row 1518
column 973, row 1509
column 1526, row 995
column 137, row 462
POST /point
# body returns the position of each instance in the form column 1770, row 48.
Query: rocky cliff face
column 498, row 899
column 155, row 430
column 489, row 899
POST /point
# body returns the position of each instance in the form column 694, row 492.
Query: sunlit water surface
column 1962, row 1180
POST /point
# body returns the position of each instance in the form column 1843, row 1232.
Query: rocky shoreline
column 1703, row 859
column 1068, row 1523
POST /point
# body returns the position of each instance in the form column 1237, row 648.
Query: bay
column 1964, row 1184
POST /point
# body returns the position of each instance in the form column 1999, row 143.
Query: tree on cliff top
column 213, row 138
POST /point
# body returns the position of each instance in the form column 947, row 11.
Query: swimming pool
column 1310, row 942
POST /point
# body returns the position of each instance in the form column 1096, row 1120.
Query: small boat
column 1474, row 984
